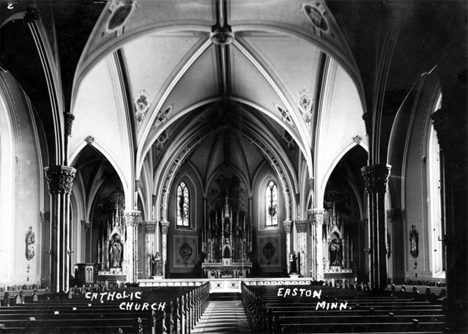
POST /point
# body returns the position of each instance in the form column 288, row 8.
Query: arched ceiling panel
column 153, row 59
column 341, row 125
column 199, row 83
column 279, row 51
column 100, row 117
column 252, row 155
column 249, row 84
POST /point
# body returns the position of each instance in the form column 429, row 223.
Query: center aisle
column 223, row 317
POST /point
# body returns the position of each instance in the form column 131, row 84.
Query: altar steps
column 225, row 296
column 223, row 317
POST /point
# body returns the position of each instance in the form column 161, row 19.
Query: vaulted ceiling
column 154, row 82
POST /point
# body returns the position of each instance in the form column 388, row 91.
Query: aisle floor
column 223, row 317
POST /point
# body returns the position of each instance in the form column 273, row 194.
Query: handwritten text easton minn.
column 323, row 305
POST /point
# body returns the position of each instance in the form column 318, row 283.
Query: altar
column 227, row 240
column 233, row 270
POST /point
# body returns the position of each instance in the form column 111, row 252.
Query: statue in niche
column 293, row 263
column 115, row 252
column 227, row 228
column 30, row 241
column 156, row 264
column 335, row 252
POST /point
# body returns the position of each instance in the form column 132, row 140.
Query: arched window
column 271, row 198
column 183, row 205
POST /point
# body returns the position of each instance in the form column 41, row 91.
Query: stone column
column 150, row 230
column 164, row 230
column 287, row 229
column 301, row 228
column 132, row 219
column 375, row 179
column 60, row 180
column 317, row 223
column 396, row 218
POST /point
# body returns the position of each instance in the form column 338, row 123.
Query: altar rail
column 225, row 285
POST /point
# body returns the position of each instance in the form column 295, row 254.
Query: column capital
column 132, row 218
column 301, row 225
column 150, row 226
column 60, row 179
column 164, row 226
column 376, row 177
column 287, row 226
column 317, row 216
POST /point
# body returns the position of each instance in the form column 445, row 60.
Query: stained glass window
column 271, row 197
column 183, row 205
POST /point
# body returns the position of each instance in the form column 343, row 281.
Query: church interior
column 222, row 141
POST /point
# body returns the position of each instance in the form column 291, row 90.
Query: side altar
column 227, row 239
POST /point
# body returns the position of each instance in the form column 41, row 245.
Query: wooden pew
column 268, row 311
column 81, row 315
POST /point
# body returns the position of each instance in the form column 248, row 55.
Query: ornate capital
column 150, row 226
column 60, row 179
column 301, row 225
column 376, row 178
column 164, row 226
column 317, row 216
column 287, row 226
column 132, row 218
column 69, row 118
column 32, row 14
column 395, row 214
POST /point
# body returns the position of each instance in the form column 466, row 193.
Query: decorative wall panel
column 269, row 251
column 185, row 251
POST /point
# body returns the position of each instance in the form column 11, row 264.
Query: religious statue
column 115, row 252
column 30, row 241
column 292, row 263
column 335, row 253
column 227, row 228
column 156, row 265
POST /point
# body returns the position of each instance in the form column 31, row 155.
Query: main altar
column 227, row 240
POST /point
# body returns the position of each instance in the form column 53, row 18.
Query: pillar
column 132, row 219
column 301, row 228
column 60, row 181
column 150, row 231
column 287, row 229
column 317, row 232
column 164, row 230
column 396, row 220
column 375, row 179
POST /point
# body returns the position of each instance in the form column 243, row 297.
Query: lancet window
column 271, row 198
column 183, row 205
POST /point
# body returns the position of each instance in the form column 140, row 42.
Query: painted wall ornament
column 414, row 241
column 120, row 12
column 141, row 105
column 316, row 13
column 305, row 105
column 30, row 242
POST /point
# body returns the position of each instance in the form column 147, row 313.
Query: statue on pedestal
column 115, row 252
column 156, row 265
column 293, row 263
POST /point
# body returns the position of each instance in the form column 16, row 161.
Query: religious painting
column 269, row 251
column 185, row 251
